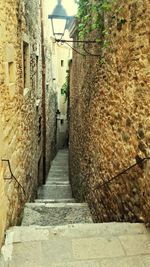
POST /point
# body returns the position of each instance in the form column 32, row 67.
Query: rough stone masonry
column 20, row 107
column 110, row 118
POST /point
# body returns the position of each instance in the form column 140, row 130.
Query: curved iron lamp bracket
column 86, row 42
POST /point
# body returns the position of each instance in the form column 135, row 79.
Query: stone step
column 71, row 231
column 62, row 152
column 59, row 165
column 58, row 174
column 55, row 192
column 142, row 261
column 62, row 163
column 58, row 169
column 83, row 245
column 55, row 182
column 61, row 159
column 64, row 200
column 59, row 178
column 56, row 214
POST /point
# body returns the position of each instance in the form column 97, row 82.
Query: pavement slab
column 56, row 214
column 57, row 191
column 73, row 246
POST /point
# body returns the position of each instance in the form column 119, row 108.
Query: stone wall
column 110, row 123
column 20, row 108
column 51, row 106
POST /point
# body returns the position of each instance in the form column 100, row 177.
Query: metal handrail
column 139, row 163
column 12, row 175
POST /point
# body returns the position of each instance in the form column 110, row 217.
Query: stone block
column 51, row 249
column 97, row 248
column 123, row 262
column 146, row 260
column 136, row 246
column 26, row 255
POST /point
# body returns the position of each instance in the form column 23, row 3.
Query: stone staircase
column 55, row 205
column 58, row 232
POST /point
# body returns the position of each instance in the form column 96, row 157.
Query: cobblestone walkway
column 58, row 232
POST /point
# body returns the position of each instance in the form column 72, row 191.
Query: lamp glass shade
column 59, row 20
column 59, row 26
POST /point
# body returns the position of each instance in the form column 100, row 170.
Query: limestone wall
column 51, row 96
column 110, row 123
column 20, row 107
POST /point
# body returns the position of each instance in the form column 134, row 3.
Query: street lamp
column 59, row 20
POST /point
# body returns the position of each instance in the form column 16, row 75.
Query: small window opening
column 62, row 63
column 47, row 87
column 39, row 129
column 26, row 65
column 11, row 72
column 37, row 72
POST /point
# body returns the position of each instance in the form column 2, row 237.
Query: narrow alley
column 74, row 133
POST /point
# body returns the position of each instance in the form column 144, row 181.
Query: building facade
column 62, row 55
column 21, row 108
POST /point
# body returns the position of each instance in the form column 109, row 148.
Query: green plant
column 65, row 89
column 90, row 15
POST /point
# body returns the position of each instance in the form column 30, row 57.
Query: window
column 47, row 87
column 26, row 65
column 37, row 72
column 11, row 72
column 39, row 129
column 62, row 63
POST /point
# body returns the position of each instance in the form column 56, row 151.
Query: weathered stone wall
column 20, row 108
column 51, row 107
column 110, row 123
column 51, row 97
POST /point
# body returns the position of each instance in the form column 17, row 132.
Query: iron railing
column 12, row 175
column 109, row 210
column 139, row 162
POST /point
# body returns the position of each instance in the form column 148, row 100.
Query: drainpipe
column 43, row 91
